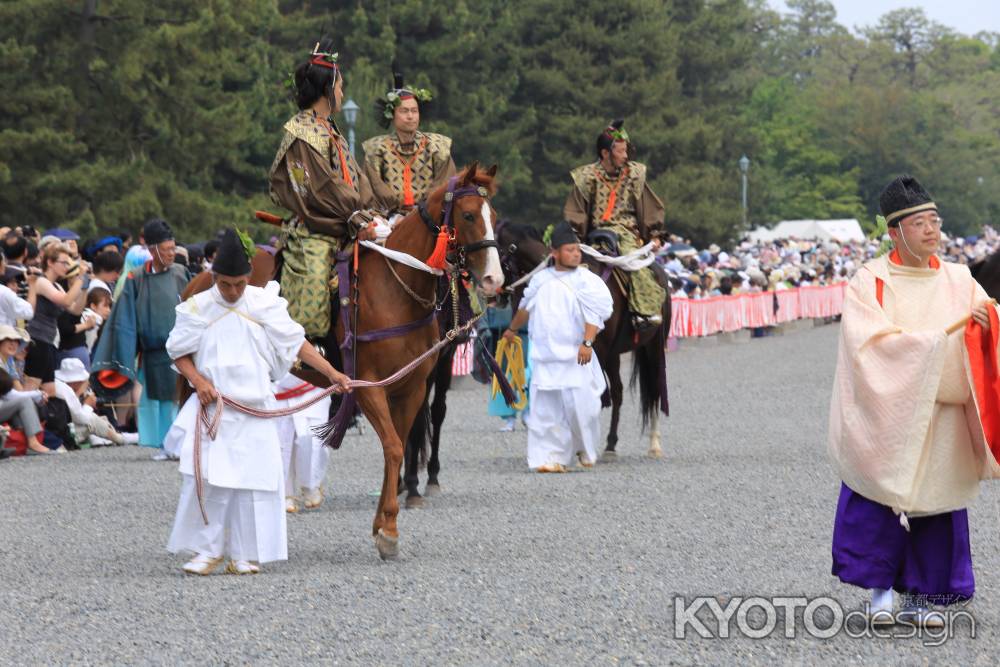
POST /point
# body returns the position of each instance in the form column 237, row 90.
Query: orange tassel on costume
column 408, row 199
column 611, row 205
column 440, row 253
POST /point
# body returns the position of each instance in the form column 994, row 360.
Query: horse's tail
column 649, row 371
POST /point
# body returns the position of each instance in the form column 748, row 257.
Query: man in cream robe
column 905, row 430
column 234, row 339
column 565, row 307
column 303, row 455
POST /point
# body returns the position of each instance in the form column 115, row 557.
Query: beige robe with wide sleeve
column 904, row 428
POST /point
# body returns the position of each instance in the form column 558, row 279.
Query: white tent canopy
column 823, row 230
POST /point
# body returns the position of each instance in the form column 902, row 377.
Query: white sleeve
column 22, row 309
column 185, row 337
column 595, row 301
column 285, row 335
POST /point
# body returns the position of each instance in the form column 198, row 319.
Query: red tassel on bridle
column 439, row 255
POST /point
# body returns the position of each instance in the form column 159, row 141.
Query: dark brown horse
column 987, row 273
column 522, row 250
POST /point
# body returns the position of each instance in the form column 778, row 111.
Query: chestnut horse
column 385, row 300
column 522, row 249
column 394, row 295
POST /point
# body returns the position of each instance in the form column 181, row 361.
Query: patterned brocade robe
column 315, row 176
column 635, row 214
column 386, row 160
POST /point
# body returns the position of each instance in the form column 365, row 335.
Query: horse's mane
column 521, row 231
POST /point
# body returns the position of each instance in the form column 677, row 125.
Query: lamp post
column 744, row 168
column 350, row 111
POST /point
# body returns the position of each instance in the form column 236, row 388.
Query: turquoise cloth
column 497, row 320
column 497, row 407
column 140, row 323
column 154, row 417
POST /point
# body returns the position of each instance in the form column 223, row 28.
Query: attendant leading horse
column 521, row 250
column 395, row 322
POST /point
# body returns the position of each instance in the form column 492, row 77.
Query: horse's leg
column 655, row 451
column 613, row 369
column 439, row 408
column 415, row 443
column 375, row 405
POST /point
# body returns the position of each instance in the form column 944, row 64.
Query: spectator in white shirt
column 13, row 307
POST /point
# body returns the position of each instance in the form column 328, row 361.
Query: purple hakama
column 872, row 550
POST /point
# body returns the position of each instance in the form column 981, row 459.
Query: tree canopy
column 118, row 110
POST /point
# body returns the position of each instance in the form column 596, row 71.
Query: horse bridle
column 456, row 253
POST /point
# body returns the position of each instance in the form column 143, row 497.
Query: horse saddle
column 605, row 240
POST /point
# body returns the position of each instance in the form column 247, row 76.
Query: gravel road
column 505, row 566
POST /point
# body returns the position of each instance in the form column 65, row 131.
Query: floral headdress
column 385, row 106
column 616, row 132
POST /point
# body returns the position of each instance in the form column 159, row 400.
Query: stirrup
column 643, row 322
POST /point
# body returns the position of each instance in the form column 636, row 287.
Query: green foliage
column 118, row 110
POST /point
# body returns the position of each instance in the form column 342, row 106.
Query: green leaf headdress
column 249, row 247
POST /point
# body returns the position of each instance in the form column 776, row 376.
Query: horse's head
column 521, row 250
column 464, row 205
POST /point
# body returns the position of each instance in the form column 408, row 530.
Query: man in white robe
column 565, row 306
column 907, row 418
column 303, row 455
column 234, row 339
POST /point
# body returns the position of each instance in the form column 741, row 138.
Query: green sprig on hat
column 249, row 247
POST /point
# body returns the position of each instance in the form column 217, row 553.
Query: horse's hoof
column 432, row 489
column 388, row 547
column 414, row 502
column 655, row 453
column 609, row 456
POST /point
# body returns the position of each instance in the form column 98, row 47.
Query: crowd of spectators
column 788, row 263
column 56, row 292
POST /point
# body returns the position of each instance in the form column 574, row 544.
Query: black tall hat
column 156, row 231
column 562, row 234
column 902, row 197
column 233, row 256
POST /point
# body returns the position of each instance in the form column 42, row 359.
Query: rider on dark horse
column 404, row 166
column 612, row 194
column 315, row 176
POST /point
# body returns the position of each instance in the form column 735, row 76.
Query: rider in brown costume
column 613, row 194
column 404, row 166
column 315, row 176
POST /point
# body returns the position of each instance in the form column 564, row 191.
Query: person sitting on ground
column 72, row 387
column 19, row 410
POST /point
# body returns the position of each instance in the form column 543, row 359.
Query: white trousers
column 304, row 457
column 242, row 524
column 561, row 423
